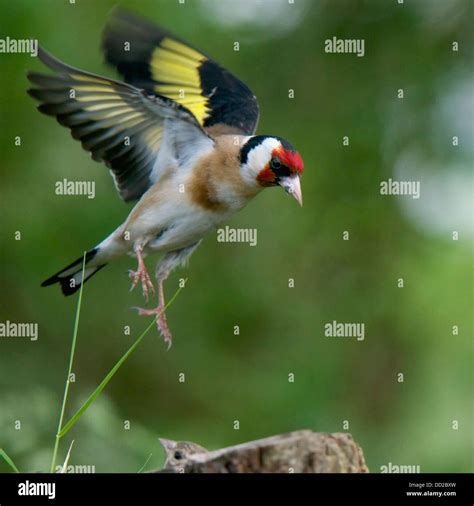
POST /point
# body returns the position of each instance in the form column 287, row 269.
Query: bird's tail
column 71, row 276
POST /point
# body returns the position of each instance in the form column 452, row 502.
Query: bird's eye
column 178, row 455
column 275, row 163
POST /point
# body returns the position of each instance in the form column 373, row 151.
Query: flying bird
column 178, row 136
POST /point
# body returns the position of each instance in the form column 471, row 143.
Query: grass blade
column 112, row 372
column 146, row 462
column 8, row 460
column 71, row 360
column 66, row 460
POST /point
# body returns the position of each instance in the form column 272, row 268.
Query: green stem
column 71, row 360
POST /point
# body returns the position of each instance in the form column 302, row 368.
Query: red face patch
column 290, row 159
column 266, row 176
column 289, row 163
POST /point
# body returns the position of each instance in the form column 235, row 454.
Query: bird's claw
column 143, row 276
column 161, row 322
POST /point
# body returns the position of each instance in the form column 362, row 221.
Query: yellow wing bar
column 175, row 68
column 154, row 60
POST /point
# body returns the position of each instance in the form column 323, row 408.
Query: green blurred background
column 227, row 377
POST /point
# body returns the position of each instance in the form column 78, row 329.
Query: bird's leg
column 141, row 274
column 163, row 269
column 161, row 322
column 159, row 311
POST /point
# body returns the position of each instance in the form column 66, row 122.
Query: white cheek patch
column 258, row 157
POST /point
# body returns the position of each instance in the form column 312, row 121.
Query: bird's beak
column 292, row 186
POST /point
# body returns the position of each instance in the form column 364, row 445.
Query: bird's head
column 178, row 452
column 268, row 160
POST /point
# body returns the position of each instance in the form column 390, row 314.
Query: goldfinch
column 177, row 137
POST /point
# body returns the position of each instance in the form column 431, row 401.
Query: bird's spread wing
column 152, row 59
column 119, row 124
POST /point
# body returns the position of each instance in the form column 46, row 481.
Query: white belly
column 185, row 230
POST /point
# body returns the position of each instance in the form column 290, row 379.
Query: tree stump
column 301, row 451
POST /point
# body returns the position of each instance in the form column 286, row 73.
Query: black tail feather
column 70, row 277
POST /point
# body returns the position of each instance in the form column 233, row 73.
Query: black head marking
column 279, row 169
column 286, row 145
column 249, row 145
column 257, row 140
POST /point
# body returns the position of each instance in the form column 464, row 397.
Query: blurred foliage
column 245, row 377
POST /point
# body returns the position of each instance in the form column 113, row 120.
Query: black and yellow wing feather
column 152, row 59
column 119, row 124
